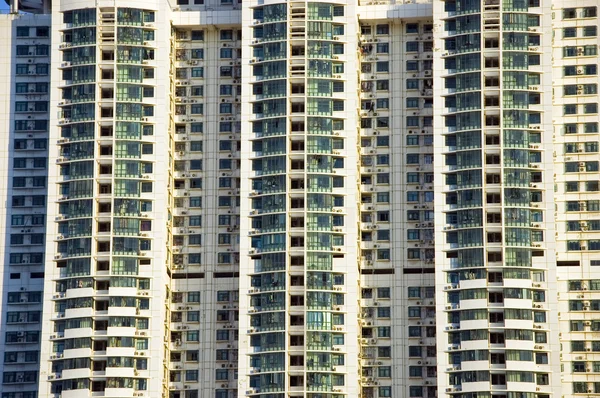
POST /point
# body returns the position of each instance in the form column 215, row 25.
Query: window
column 412, row 196
column 383, row 29
column 384, row 332
column 383, row 48
column 569, row 13
column 221, row 374
column 412, row 84
column 193, row 297
column 226, row 89
column 383, row 197
column 415, row 371
column 384, row 352
column 22, row 69
column 589, row 12
column 225, row 108
column 415, row 351
column 570, row 70
column 383, row 67
column 195, row 221
column 590, row 108
column 197, row 109
column 590, row 69
column 412, row 158
column 383, row 254
column 23, row 50
column 222, row 296
column 196, row 240
column 16, row 239
column 590, row 31
column 198, row 72
column 570, row 89
column 197, row 91
column 412, row 28
column 225, row 127
column 22, row 31
column 195, row 201
column 383, row 141
column 191, row 375
column 192, row 356
column 224, row 258
column 572, row 186
column 225, row 164
column 197, row 127
column 412, row 46
column 198, row 35
column 412, row 121
column 41, row 69
column 196, row 146
column 148, row 92
column 198, row 53
column 569, row 32
column 42, row 31
column 225, row 145
column 383, row 103
column 414, row 312
column 226, row 34
column 412, row 102
column 570, row 109
column 591, row 127
column 412, row 65
column 222, row 335
column 222, row 355
column 192, row 335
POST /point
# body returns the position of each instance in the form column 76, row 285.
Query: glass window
column 569, row 13
column 412, row 28
column 412, row 84
column 570, row 109
column 383, row 29
column 589, row 12
column 412, row 102
column 569, row 32
column 197, row 109
column 226, row 34
column 590, row 108
column 198, row 72
column 589, row 31
column 196, row 146
column 225, row 108
column 383, row 48
column 22, row 31
column 198, row 53
column 412, row 46
column 193, row 297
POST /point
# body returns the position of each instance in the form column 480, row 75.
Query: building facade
column 25, row 79
column 300, row 199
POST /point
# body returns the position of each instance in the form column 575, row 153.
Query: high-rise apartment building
column 300, row 199
column 495, row 246
column 24, row 117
